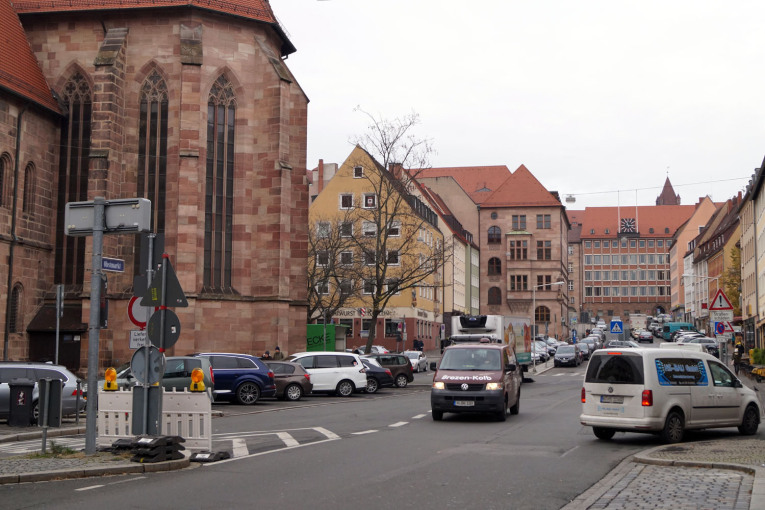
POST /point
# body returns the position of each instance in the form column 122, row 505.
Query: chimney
column 321, row 176
column 395, row 170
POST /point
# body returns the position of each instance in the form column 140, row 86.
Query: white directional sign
column 721, row 316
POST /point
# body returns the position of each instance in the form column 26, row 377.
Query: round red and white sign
column 135, row 310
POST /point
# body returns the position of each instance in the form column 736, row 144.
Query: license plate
column 463, row 403
column 611, row 399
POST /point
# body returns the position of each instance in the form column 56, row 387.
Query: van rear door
column 614, row 385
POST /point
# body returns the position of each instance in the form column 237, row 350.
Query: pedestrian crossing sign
column 617, row 327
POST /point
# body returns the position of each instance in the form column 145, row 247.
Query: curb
column 37, row 434
column 757, row 498
column 101, row 470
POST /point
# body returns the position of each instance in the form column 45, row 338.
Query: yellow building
column 390, row 254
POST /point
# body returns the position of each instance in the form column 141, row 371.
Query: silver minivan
column 665, row 392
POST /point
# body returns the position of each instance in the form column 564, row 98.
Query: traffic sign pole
column 93, row 325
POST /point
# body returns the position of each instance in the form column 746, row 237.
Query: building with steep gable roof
column 522, row 234
column 711, row 256
column 187, row 103
column 374, row 209
column 684, row 235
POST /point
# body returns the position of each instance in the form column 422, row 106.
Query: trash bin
column 21, row 404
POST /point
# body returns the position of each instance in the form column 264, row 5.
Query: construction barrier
column 184, row 414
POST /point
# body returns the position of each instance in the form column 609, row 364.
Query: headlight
column 438, row 385
column 494, row 386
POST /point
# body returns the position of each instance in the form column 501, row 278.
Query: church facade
column 188, row 104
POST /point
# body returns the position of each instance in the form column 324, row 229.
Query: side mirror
column 737, row 384
column 433, row 365
column 510, row 368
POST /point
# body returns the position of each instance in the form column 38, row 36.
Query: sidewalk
column 27, row 468
column 716, row 475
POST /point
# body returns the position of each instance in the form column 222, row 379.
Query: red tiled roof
column 478, row 181
column 656, row 217
column 521, row 189
column 19, row 71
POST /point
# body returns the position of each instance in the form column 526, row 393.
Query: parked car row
column 12, row 372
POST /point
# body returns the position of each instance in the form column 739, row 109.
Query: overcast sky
column 592, row 96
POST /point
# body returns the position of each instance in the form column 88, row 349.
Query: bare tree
column 399, row 240
column 332, row 267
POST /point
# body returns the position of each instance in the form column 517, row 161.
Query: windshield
column 470, row 359
column 413, row 355
column 566, row 349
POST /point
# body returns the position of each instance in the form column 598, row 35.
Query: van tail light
column 271, row 375
column 74, row 393
column 387, row 371
column 584, row 399
column 647, row 398
column 212, row 376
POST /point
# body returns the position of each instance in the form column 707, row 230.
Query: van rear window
column 615, row 369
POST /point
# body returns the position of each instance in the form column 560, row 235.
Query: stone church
column 187, row 103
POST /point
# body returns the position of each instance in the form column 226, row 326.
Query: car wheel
column 750, row 422
column 36, row 412
column 602, row 433
column 673, row 428
column 293, row 392
column 502, row 415
column 438, row 415
column 344, row 388
column 372, row 385
column 401, row 381
column 515, row 409
column 247, row 393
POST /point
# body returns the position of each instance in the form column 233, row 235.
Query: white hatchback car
column 333, row 372
column 418, row 360
column 666, row 392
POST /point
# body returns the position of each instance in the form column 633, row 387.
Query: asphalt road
column 373, row 451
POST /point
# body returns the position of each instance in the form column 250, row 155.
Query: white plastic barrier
column 184, row 414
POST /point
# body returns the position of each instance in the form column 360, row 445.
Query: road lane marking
column 398, row 424
column 239, row 447
column 417, row 417
column 287, row 439
column 225, row 461
column 89, row 488
column 361, row 433
column 330, row 435
column 569, row 451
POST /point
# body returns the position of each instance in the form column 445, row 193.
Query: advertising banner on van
column 681, row 372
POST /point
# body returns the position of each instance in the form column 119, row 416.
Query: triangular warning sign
column 616, row 328
column 720, row 302
column 174, row 292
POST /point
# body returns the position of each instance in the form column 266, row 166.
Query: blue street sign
column 116, row 265
column 617, row 327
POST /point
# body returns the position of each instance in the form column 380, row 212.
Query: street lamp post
column 534, row 320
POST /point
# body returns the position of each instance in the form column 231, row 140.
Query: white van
column 665, row 392
column 335, row 372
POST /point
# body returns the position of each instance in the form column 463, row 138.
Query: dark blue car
column 240, row 377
